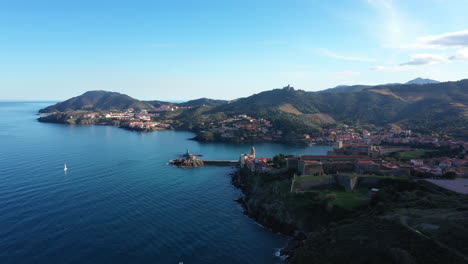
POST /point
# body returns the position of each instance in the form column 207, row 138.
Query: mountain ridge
column 100, row 100
column 421, row 81
column 429, row 108
column 360, row 87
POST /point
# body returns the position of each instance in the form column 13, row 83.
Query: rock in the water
column 187, row 163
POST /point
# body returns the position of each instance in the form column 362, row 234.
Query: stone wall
column 337, row 167
column 349, row 182
column 301, row 185
column 277, row 171
column 368, row 181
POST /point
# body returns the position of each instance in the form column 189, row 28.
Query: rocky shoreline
column 264, row 216
column 63, row 118
column 187, row 163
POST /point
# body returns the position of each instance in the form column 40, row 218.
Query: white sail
column 65, row 167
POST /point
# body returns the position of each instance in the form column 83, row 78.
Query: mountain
column 358, row 88
column 156, row 103
column 97, row 101
column 345, row 89
column 421, row 81
column 429, row 108
column 203, row 102
column 106, row 101
column 440, row 108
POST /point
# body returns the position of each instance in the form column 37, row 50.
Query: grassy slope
column 406, row 224
column 408, row 155
column 439, row 108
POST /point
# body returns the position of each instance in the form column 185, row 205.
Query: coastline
column 53, row 118
column 270, row 209
column 327, row 234
column 268, row 215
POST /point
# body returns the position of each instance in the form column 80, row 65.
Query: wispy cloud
column 424, row 59
column 451, row 42
column 393, row 68
column 461, row 55
column 415, row 61
column 451, row 39
column 334, row 55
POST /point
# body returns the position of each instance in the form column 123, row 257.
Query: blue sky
column 178, row 50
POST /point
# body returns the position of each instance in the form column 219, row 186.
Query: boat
column 65, row 167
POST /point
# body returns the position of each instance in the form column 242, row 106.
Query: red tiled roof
column 365, row 161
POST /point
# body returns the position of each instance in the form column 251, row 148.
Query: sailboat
column 65, row 167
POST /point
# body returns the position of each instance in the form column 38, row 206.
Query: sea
column 120, row 201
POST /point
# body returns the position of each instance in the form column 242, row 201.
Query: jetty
column 221, row 162
column 189, row 160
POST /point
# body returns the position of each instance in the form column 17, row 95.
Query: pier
column 189, row 160
column 221, row 162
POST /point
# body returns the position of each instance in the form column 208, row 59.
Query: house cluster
column 242, row 127
column 334, row 135
column 436, row 166
column 130, row 115
column 144, row 115
column 349, row 135
column 145, row 125
column 166, row 108
column 439, row 166
column 131, row 119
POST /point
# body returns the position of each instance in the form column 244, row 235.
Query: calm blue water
column 119, row 201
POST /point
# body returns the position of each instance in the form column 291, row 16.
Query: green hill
column 436, row 107
column 106, row 101
column 97, row 101
column 346, row 89
column 203, row 102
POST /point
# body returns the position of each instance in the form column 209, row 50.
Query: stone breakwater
column 195, row 163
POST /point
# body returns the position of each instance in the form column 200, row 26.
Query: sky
column 224, row 49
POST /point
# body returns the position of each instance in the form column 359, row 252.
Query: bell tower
column 252, row 151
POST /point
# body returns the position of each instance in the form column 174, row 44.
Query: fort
column 305, row 165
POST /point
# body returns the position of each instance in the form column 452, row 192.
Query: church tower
column 252, row 151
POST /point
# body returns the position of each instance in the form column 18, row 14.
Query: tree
column 279, row 161
column 449, row 175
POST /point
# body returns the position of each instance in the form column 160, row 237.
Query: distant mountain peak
column 421, row 81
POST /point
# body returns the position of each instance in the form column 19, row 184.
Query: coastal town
column 372, row 171
column 392, row 154
column 234, row 132
column 392, row 151
column 365, row 160
column 131, row 119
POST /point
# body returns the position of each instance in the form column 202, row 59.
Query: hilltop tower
column 252, row 151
